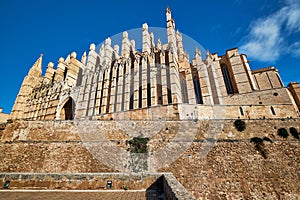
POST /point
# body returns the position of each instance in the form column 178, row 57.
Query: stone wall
column 233, row 168
column 79, row 181
column 294, row 88
column 3, row 117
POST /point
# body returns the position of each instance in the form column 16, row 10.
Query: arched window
column 227, row 79
column 67, row 112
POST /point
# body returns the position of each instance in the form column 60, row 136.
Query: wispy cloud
column 267, row 39
column 295, row 49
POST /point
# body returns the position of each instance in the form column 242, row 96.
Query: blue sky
column 268, row 31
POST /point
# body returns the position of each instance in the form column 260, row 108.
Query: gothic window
column 140, row 84
column 227, row 79
column 67, row 112
column 184, row 92
column 53, row 77
column 131, row 81
column 65, row 73
column 148, row 85
column 158, row 79
column 197, row 87
column 79, row 77
column 169, row 92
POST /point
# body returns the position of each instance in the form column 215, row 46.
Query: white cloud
column 293, row 21
column 295, row 49
column 267, row 39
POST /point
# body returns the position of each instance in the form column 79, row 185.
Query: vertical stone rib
column 203, row 78
column 127, row 78
column 113, row 88
column 174, row 79
column 190, row 86
column 120, row 92
column 144, row 81
column 105, row 91
column 163, row 73
column 136, row 83
column 98, row 96
column 153, row 80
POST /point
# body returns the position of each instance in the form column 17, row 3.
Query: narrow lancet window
column 227, row 79
column 197, row 87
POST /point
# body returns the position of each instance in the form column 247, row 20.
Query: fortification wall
column 233, row 168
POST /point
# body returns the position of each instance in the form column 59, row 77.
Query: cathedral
column 157, row 82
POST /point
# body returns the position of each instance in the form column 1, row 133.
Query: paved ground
column 82, row 195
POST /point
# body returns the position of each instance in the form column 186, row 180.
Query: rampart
column 233, row 168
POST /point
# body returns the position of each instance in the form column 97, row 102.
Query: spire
column 36, row 69
column 172, row 44
column 83, row 57
column 168, row 14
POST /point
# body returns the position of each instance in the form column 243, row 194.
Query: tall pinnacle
column 36, row 69
column 168, row 14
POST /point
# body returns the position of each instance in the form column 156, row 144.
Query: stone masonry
column 3, row 116
column 232, row 169
column 107, row 81
column 82, row 114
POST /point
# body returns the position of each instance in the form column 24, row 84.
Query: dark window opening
column 67, row 112
column 97, row 65
column 131, row 80
column 140, row 84
column 158, row 79
column 241, row 111
column 197, row 87
column 273, row 111
column 169, row 91
column 65, row 73
column 148, row 85
column 227, row 79
column 79, row 77
column 184, row 92
column 53, row 77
